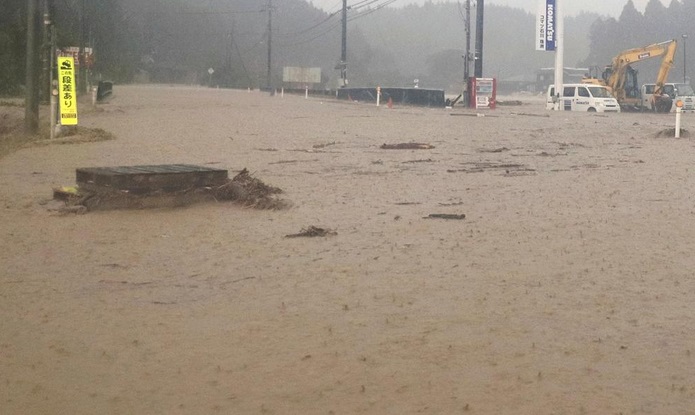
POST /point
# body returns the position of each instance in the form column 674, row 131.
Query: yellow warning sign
column 66, row 88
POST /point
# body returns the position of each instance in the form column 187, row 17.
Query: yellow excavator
column 621, row 78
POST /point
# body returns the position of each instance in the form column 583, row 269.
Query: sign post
column 550, row 36
column 66, row 88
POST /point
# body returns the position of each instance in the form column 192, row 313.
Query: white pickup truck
column 682, row 92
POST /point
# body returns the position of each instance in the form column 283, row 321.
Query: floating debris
column 250, row 192
column 493, row 150
column 243, row 189
column 445, row 216
column 419, row 161
column 312, row 231
column 324, row 145
column 407, row 146
column 671, row 133
column 480, row 167
column 477, row 114
column 526, row 114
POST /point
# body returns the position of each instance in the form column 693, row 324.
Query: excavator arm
column 666, row 65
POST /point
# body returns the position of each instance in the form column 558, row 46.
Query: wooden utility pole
column 82, row 74
column 467, row 56
column 343, row 49
column 480, row 18
column 45, row 89
column 31, row 95
column 270, row 43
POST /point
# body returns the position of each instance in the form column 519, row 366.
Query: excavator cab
column 630, row 84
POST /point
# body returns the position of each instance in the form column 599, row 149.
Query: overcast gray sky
column 572, row 7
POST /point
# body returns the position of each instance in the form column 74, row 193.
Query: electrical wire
column 241, row 59
column 330, row 16
column 362, row 4
column 338, row 24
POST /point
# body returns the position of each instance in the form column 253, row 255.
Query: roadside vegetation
column 13, row 137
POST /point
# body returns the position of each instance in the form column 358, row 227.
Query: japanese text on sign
column 545, row 26
column 66, row 91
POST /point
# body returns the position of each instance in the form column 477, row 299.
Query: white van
column 682, row 92
column 583, row 97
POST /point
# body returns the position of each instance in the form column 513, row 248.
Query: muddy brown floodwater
column 568, row 288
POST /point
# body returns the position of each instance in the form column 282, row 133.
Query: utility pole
column 467, row 56
column 270, row 42
column 45, row 90
column 685, row 60
column 52, row 83
column 343, row 50
column 479, row 18
column 82, row 74
column 559, row 51
column 31, row 108
column 228, row 63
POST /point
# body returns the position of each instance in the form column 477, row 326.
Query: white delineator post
column 559, row 52
column 378, row 95
column 306, row 92
column 679, row 110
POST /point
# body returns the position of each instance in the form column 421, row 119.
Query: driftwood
column 407, row 146
column 526, row 114
column 477, row 114
column 494, row 150
column 445, row 216
column 312, row 231
column 249, row 191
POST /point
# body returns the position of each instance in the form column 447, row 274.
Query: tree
column 12, row 47
column 444, row 68
column 631, row 28
column 656, row 14
column 601, row 48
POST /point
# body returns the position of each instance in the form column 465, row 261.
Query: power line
column 200, row 12
column 362, row 4
column 370, row 11
column 330, row 16
column 241, row 58
column 338, row 24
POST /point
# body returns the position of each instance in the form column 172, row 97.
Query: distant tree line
column 633, row 29
column 177, row 41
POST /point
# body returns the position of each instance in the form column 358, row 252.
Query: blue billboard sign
column 545, row 26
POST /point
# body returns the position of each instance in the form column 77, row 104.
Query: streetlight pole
column 684, row 36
